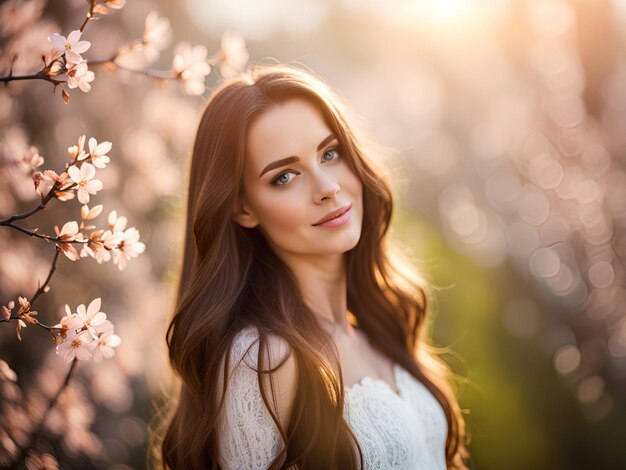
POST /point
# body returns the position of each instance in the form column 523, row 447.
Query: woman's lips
column 337, row 217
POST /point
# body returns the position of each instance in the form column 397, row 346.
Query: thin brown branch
column 23, row 215
column 152, row 73
column 42, row 288
column 51, row 404
column 31, row 233
column 50, row 329
column 34, row 233
column 34, row 76
column 37, row 208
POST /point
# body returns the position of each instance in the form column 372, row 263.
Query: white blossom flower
column 108, row 242
column 157, row 34
column 77, row 152
column 91, row 317
column 88, row 214
column 233, row 55
column 44, row 182
column 115, row 4
column 93, row 245
column 105, row 327
column 33, row 158
column 78, row 75
column 84, row 178
column 98, row 151
column 103, row 346
column 20, row 324
column 72, row 47
column 102, row 256
column 71, row 321
column 67, row 234
column 191, row 67
column 76, row 345
column 130, row 247
column 116, row 224
column 50, row 58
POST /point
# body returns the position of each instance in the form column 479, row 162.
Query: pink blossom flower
column 116, row 224
column 103, row 346
column 20, row 324
column 233, row 55
column 33, row 158
column 105, row 327
column 76, row 345
column 102, row 256
column 91, row 317
column 50, row 177
column 78, row 75
column 68, row 233
column 88, row 214
column 72, row 47
column 111, row 240
column 77, row 152
column 71, row 321
column 6, row 373
column 98, row 151
column 84, row 178
column 54, row 66
column 6, row 311
column 93, row 245
column 44, row 182
column 108, row 241
column 130, row 247
column 191, row 67
column 115, row 4
column 156, row 35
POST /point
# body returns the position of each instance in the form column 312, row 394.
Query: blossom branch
column 51, row 404
column 41, row 75
column 24, row 215
column 34, row 233
column 54, row 331
column 44, row 287
column 88, row 16
column 152, row 73
column 37, row 208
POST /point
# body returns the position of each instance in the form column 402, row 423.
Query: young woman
column 298, row 338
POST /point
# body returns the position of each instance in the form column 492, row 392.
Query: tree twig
column 41, row 289
column 37, row 208
column 33, row 438
column 34, row 76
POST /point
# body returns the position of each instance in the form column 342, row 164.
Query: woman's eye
column 284, row 178
column 330, row 154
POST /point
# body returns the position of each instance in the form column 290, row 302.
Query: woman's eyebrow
column 293, row 158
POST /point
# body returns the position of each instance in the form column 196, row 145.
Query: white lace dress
column 405, row 430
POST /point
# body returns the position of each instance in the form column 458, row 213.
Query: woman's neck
column 323, row 283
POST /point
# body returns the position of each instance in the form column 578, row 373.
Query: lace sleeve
column 248, row 436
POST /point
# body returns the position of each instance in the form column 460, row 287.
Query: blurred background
column 506, row 122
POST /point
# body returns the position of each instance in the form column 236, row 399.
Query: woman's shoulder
column 247, row 343
column 278, row 365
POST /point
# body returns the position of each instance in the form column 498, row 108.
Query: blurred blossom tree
column 49, row 403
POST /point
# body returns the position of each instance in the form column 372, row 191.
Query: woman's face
column 296, row 176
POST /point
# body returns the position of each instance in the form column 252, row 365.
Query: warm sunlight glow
column 447, row 11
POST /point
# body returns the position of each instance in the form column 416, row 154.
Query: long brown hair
column 230, row 279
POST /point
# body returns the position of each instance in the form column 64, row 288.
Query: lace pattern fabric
column 403, row 430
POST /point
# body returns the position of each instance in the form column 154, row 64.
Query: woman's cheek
column 284, row 212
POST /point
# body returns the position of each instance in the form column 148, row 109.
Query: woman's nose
column 327, row 188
